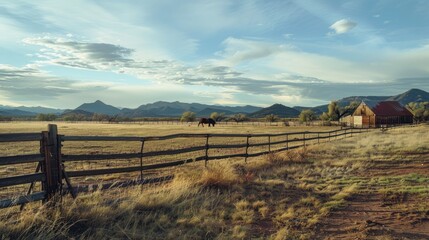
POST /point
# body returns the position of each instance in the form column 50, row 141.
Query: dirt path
column 374, row 214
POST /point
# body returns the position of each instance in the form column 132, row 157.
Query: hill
column 412, row 95
column 276, row 109
column 16, row 113
column 99, row 107
column 207, row 111
column 175, row 109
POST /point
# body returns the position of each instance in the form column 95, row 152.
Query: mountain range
column 175, row 109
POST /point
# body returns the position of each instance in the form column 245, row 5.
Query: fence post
column 287, row 141
column 318, row 138
column 304, row 139
column 329, row 136
column 269, row 143
column 247, row 148
column 141, row 160
column 207, row 149
column 52, row 164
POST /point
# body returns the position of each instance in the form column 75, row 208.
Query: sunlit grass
column 277, row 196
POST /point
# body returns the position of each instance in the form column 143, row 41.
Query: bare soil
column 373, row 215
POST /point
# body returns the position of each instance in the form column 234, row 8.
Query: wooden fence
column 52, row 176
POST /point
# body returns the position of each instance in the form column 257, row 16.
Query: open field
column 92, row 148
column 371, row 186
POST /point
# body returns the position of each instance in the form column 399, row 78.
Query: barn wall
column 393, row 120
column 364, row 117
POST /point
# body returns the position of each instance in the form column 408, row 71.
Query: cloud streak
column 30, row 84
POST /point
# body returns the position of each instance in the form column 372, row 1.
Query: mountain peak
column 99, row 107
column 412, row 95
column 276, row 109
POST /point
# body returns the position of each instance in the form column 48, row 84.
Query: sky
column 127, row 53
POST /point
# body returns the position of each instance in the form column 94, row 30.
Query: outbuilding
column 378, row 113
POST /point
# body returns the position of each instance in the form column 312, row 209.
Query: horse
column 209, row 121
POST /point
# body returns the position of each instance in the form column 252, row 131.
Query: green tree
column 217, row 116
column 307, row 116
column 271, row 118
column 334, row 111
column 325, row 117
column 5, row 119
column 188, row 117
column 71, row 117
column 420, row 111
column 98, row 117
column 46, row 117
column 239, row 117
column 349, row 108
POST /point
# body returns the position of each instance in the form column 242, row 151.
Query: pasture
column 371, row 186
column 134, row 147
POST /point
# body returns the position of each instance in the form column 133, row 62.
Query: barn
column 377, row 113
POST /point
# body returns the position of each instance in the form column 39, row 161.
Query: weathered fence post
column 303, row 138
column 207, row 149
column 329, row 136
column 52, row 167
column 318, row 138
column 141, row 160
column 269, row 143
column 287, row 141
column 247, row 148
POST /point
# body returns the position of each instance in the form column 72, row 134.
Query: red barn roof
column 388, row 108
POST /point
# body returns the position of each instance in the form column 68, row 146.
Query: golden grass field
column 140, row 130
column 371, row 186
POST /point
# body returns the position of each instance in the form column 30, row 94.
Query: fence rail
column 51, row 159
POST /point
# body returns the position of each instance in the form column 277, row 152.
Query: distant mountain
column 16, row 113
column 207, row 111
column 175, row 109
column 276, row 109
column 99, row 107
column 77, row 111
column 239, row 109
column 34, row 110
column 412, row 95
column 301, row 108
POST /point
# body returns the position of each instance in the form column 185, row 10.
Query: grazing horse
column 208, row 121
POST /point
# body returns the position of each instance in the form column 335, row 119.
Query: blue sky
column 127, row 53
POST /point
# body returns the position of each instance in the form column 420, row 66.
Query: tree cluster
column 188, row 117
column 335, row 111
column 307, row 116
column 218, row 116
column 271, row 118
column 46, row 117
column 420, row 111
column 239, row 117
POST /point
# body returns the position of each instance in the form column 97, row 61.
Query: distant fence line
column 51, row 174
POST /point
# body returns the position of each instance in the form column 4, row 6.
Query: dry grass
column 278, row 196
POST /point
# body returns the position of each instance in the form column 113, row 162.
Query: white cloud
column 343, row 26
column 254, row 67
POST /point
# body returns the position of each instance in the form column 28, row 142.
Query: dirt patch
column 370, row 214
column 396, row 168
